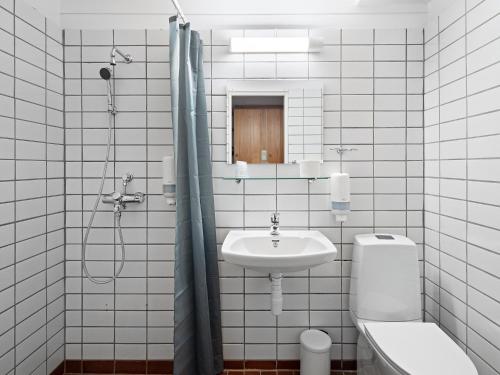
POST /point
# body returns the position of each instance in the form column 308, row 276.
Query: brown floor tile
column 73, row 367
column 234, row 365
column 165, row 368
column 98, row 367
column 160, row 367
column 349, row 365
column 289, row 365
column 260, row 365
column 130, row 367
column 336, row 365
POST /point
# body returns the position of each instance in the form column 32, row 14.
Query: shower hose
column 117, row 219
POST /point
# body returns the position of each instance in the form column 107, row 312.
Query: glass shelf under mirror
column 239, row 179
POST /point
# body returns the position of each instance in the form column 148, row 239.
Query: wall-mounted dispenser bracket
column 340, row 150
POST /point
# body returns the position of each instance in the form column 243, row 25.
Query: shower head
column 105, row 73
column 126, row 57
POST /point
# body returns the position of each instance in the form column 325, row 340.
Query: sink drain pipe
column 276, row 293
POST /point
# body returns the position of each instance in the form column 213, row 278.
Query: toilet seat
column 418, row 348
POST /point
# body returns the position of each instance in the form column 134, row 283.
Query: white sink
column 291, row 250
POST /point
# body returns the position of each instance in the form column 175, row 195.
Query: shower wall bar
column 179, row 11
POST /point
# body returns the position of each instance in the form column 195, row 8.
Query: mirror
column 274, row 121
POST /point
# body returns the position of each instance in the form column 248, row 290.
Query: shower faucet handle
column 126, row 178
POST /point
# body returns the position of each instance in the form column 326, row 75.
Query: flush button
column 384, row 237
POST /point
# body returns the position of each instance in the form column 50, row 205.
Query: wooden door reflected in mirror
column 258, row 134
column 273, row 121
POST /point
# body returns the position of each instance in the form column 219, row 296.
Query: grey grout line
column 341, row 170
column 113, row 119
column 424, row 163
column 244, row 276
column 147, row 338
column 463, row 57
column 65, row 198
column 458, row 19
column 15, row 197
column 374, row 229
column 24, row 320
column 82, row 202
column 33, row 46
column 406, row 134
column 46, row 72
column 46, row 211
column 466, row 189
column 439, row 172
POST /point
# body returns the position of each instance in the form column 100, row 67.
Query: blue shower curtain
column 197, row 317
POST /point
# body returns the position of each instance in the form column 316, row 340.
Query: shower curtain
column 197, row 317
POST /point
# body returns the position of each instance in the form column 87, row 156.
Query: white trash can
column 315, row 352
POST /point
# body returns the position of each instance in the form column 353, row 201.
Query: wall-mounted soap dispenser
column 168, row 167
column 340, row 195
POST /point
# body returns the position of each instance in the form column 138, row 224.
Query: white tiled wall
column 373, row 101
column 373, row 82
column 462, row 161
column 305, row 133
column 132, row 317
column 31, row 192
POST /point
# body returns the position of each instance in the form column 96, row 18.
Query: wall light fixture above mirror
column 275, row 44
column 274, row 121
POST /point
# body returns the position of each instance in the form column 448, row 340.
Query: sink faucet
column 275, row 224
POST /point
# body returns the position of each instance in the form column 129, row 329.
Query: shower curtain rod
column 179, row 11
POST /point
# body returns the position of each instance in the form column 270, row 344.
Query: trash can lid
column 315, row 341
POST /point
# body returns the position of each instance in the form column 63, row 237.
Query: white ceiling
column 394, row 1
column 205, row 7
column 207, row 14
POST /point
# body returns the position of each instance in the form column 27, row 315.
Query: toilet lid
column 419, row 349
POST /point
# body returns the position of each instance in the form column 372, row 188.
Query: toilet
column 385, row 306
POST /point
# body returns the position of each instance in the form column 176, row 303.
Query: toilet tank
column 385, row 278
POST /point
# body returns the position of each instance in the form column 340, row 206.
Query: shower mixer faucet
column 120, row 199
